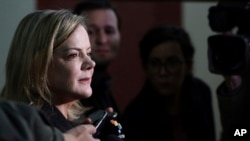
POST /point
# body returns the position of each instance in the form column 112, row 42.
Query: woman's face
column 71, row 70
column 166, row 68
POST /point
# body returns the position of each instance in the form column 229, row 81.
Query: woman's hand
column 81, row 133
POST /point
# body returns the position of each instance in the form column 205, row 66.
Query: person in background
column 104, row 25
column 173, row 105
column 20, row 121
column 49, row 66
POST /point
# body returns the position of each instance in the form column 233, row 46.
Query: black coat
column 21, row 122
column 234, row 110
column 144, row 118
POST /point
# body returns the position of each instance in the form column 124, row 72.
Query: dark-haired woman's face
column 166, row 68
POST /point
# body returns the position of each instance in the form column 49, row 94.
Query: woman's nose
column 88, row 64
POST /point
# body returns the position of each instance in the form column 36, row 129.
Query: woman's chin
column 86, row 93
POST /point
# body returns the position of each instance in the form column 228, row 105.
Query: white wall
column 196, row 23
column 11, row 12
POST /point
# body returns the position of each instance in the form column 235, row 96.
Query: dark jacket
column 234, row 110
column 21, row 122
column 56, row 118
column 144, row 118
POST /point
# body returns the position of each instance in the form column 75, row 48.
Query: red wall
column 136, row 18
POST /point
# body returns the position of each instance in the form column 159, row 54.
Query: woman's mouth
column 85, row 80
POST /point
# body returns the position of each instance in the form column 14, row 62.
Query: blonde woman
column 49, row 65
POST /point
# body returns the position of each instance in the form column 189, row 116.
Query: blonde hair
column 30, row 55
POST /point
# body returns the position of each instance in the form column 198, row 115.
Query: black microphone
column 112, row 137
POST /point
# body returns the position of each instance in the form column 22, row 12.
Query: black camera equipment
column 227, row 52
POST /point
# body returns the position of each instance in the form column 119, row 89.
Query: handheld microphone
column 112, row 137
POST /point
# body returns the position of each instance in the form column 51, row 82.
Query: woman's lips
column 85, row 80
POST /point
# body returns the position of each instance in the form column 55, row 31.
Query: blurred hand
column 109, row 109
column 81, row 133
column 232, row 82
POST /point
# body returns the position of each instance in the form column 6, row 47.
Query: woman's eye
column 89, row 54
column 72, row 56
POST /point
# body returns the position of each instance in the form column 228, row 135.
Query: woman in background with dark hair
column 172, row 105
